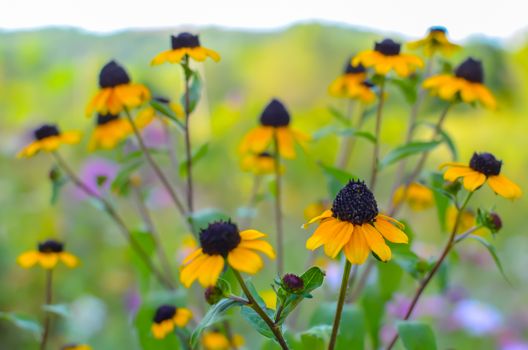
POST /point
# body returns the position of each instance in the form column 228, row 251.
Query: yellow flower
column 354, row 225
column 117, row 92
column 270, row 298
column 436, row 40
column 168, row 317
column 466, row 84
column 110, row 129
column 386, row 56
column 215, row 340
column 417, row 196
column 47, row 255
column 352, row 84
column 274, row 120
column 483, row 167
column 76, row 347
column 185, row 44
column 259, row 164
column 221, row 240
column 48, row 138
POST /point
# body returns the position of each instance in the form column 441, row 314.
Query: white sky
column 495, row 18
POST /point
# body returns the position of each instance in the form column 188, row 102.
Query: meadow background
column 49, row 75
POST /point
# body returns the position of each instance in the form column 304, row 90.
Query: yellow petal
column 285, row 140
column 390, row 232
column 260, row 245
column 356, row 250
column 28, row 259
column 474, row 180
column 210, row 270
column 248, row 235
column 244, row 260
column 182, row 317
column 375, row 242
column 455, row 172
column 325, row 214
column 48, row 260
column 334, row 245
column 504, row 187
column 189, row 273
column 323, row 233
column 192, row 256
column 68, row 259
column 158, row 330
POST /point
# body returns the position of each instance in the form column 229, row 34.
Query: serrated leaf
column 23, row 322
column 416, row 335
column 197, row 154
column 211, row 317
column 493, row 253
column 407, row 150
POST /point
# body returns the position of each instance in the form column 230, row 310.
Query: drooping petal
column 325, row 214
column 375, row 242
column 504, row 186
column 68, row 259
column 334, row 245
column 260, row 245
column 189, row 273
column 285, row 140
column 245, row 260
column 213, row 54
column 323, row 233
column 210, row 270
column 455, row 172
column 390, row 232
column 192, row 256
column 28, row 259
column 474, row 180
column 182, row 317
column 48, row 260
column 392, row 220
column 356, row 250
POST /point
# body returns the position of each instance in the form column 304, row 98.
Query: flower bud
column 292, row 283
column 213, row 295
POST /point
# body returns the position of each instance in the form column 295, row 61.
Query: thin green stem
column 340, row 303
column 450, row 244
column 275, row 329
column 377, row 133
column 188, row 150
column 48, row 300
column 278, row 206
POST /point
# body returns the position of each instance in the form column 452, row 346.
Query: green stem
column 257, row 179
column 347, row 142
column 278, row 206
column 48, row 300
column 376, row 153
column 188, row 150
column 275, row 329
column 340, row 303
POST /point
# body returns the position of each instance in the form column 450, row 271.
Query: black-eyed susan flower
column 76, row 347
column 355, row 225
column 49, row 138
column 416, row 195
column 117, row 91
column 386, row 56
column 110, row 129
column 182, row 45
column 467, row 84
column 435, row 41
column 259, row 164
column 483, row 167
column 167, row 317
column 215, row 340
column 353, row 84
column 222, row 241
column 274, row 120
column 47, row 255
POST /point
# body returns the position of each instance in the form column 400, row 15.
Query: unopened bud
column 292, row 283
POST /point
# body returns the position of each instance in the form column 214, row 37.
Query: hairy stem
column 340, row 303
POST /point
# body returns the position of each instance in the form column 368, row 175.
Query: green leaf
column 313, row 278
column 316, row 338
column 57, row 309
column 446, row 138
column 441, row 198
column 146, row 242
column 407, row 150
column 325, row 131
column 197, row 154
column 257, row 322
column 408, row 88
column 143, row 324
column 389, row 279
column 339, row 116
column 195, row 88
column 58, row 180
column 374, row 308
column 201, row 218
column 336, row 178
column 358, row 133
column 211, row 317
column 493, row 253
column 416, row 335
column 351, row 334
column 166, row 111
column 23, row 322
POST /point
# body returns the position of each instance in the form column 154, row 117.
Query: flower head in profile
column 185, row 44
column 259, row 164
column 355, row 226
column 482, row 168
column 352, row 84
column 274, row 123
column 76, row 347
column 49, row 138
column 47, row 255
column 167, row 317
column 222, row 241
column 466, row 84
column 435, row 41
column 117, row 92
column 215, row 340
column 110, row 129
column 417, row 196
column 386, row 57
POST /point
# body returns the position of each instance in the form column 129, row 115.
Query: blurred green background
column 49, row 75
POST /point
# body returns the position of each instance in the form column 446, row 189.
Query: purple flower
column 155, row 136
column 97, row 174
column 477, row 318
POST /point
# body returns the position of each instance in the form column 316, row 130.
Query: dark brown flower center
column 388, row 47
column 471, row 70
column 219, row 238
column 184, row 40
column 164, row 312
column 438, row 29
column 350, row 69
column 275, row 114
column 46, row 130
column 106, row 118
column 485, row 163
column 355, row 203
column 112, row 75
column 50, row 246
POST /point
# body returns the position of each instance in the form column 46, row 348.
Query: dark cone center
column 112, row 75
column 471, row 70
column 275, row 114
column 219, row 238
column 184, row 40
column 46, row 130
column 106, row 118
column 485, row 163
column 438, row 29
column 350, row 69
column 388, row 47
column 355, row 203
column 164, row 312
column 50, row 246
